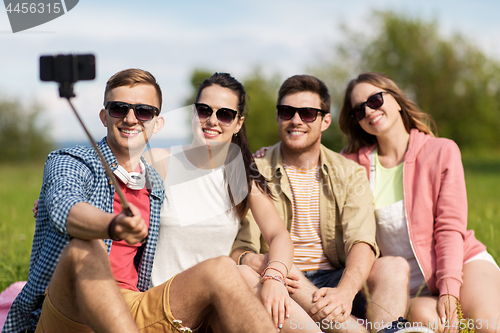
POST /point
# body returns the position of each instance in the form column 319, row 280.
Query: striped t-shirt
column 305, row 231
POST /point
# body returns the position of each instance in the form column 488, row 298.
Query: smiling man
column 325, row 201
column 91, row 264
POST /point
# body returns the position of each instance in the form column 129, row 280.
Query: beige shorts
column 150, row 310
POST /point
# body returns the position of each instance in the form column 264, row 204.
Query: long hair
column 240, row 144
column 411, row 114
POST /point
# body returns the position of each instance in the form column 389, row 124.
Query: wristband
column 281, row 262
column 275, row 269
column 269, row 277
column 240, row 258
column 111, row 229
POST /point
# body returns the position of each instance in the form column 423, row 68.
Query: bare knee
column 423, row 310
column 392, row 265
column 219, row 269
column 250, row 276
column 83, row 253
column 393, row 269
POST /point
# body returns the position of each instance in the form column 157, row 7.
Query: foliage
column 450, row 78
column 21, row 136
column 197, row 77
column 261, row 125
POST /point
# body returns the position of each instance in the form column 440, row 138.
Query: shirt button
column 110, row 182
column 113, row 165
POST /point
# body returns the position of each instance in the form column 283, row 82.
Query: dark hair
column 411, row 114
column 300, row 83
column 240, row 141
column 131, row 77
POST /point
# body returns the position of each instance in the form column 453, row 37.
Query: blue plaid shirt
column 71, row 176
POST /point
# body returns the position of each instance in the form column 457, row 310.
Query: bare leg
column 388, row 290
column 83, row 288
column 423, row 310
column 217, row 284
column 478, row 298
column 304, row 295
column 480, row 295
column 299, row 319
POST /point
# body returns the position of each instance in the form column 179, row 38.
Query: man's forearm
column 359, row 264
column 88, row 222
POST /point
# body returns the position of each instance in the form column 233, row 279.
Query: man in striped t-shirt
column 326, row 203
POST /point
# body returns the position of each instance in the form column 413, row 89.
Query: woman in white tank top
column 209, row 186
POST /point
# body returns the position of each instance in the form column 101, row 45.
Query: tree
column 261, row 125
column 21, row 136
column 450, row 78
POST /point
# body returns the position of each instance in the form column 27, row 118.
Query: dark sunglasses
column 143, row 112
column 308, row 115
column 224, row 115
column 374, row 102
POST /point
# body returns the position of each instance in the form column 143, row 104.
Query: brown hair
column 240, row 141
column 131, row 77
column 300, row 83
column 411, row 114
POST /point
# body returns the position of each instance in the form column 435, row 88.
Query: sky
column 172, row 38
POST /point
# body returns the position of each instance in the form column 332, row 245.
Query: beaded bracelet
column 281, row 262
column 277, row 270
column 111, row 229
column 268, row 277
column 240, row 258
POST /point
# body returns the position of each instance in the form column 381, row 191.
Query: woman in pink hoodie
column 421, row 205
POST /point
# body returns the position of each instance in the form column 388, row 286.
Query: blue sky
column 171, row 38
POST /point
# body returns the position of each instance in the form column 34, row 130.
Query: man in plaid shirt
column 88, row 270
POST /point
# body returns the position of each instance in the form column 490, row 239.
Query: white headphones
column 133, row 180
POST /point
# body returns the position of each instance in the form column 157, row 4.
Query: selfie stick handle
column 123, row 202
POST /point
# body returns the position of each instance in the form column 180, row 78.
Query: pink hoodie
column 436, row 209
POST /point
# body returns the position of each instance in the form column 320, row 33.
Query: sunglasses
column 374, row 102
column 143, row 112
column 308, row 115
column 225, row 116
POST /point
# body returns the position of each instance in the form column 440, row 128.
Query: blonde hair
column 411, row 114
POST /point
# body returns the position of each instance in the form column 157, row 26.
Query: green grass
column 21, row 185
column 482, row 177
column 19, row 188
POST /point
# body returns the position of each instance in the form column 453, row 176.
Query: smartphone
column 67, row 68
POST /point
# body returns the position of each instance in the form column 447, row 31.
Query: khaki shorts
column 150, row 310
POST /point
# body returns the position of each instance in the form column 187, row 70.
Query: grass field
column 21, row 185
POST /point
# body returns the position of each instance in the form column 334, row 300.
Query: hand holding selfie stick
column 66, row 70
column 123, row 202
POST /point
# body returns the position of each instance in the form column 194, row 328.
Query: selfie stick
column 109, row 173
column 66, row 91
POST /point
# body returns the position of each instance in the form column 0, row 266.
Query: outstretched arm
column 88, row 222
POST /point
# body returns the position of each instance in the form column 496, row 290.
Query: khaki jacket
column 346, row 205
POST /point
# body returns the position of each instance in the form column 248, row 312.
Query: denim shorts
column 331, row 278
